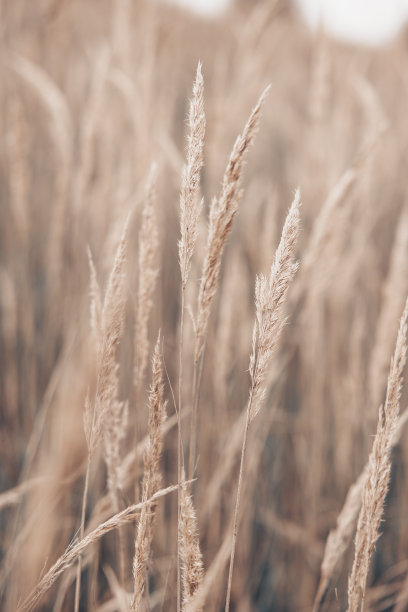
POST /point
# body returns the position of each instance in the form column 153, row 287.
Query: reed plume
column 378, row 472
column 339, row 539
column 148, row 252
column 151, row 477
column 270, row 295
column 191, row 559
column 106, row 414
column 212, row 574
column 222, row 213
column 190, row 208
column 112, row 321
column 95, row 297
column 190, row 204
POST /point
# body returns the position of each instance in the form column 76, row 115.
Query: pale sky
column 210, row 8
column 369, row 22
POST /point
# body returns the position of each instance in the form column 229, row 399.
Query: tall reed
column 378, row 472
column 151, row 478
column 190, row 208
column 222, row 213
column 104, row 408
column 270, row 295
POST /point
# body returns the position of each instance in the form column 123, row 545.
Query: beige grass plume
column 151, row 477
column 378, row 472
column 114, row 432
column 190, row 208
column 114, row 410
column 211, row 576
column 95, row 309
column 339, row 539
column 148, row 253
column 190, row 204
column 116, row 414
column 222, row 213
column 190, row 554
column 270, row 295
column 111, row 327
column 106, row 414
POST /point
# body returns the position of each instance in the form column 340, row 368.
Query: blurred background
column 94, row 92
column 359, row 21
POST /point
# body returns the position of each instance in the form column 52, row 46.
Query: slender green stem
column 122, row 546
column 237, row 503
column 81, row 533
column 179, row 450
column 197, row 377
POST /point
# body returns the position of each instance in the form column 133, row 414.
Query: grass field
column 203, row 284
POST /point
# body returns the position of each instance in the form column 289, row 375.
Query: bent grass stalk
column 111, row 325
column 339, row 539
column 75, row 550
column 190, row 553
column 148, row 273
column 378, row 472
column 222, row 213
column 270, row 295
column 190, row 209
column 151, row 478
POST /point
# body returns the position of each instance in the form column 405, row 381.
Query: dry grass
column 127, row 209
column 151, row 478
column 378, row 472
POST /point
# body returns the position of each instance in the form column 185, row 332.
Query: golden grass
column 111, row 232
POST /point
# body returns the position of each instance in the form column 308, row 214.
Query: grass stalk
column 81, row 534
